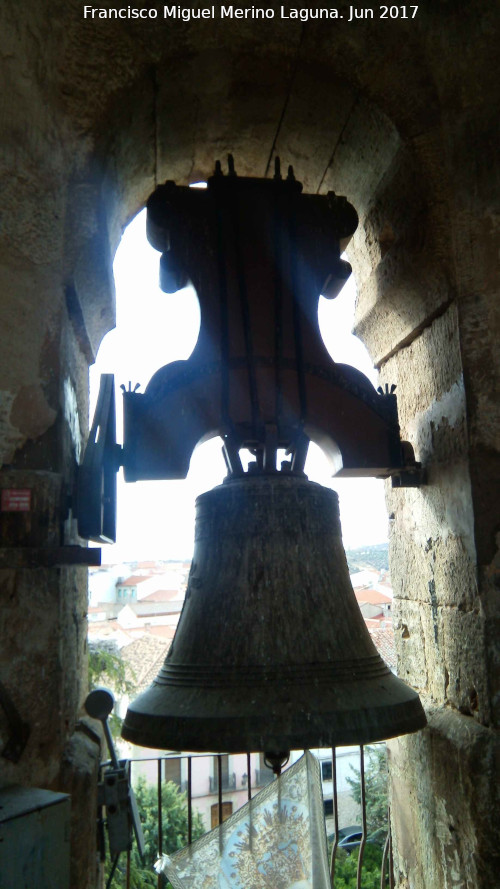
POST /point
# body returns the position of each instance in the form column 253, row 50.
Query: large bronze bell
column 271, row 651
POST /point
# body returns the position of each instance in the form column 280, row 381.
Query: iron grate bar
column 160, row 817
column 190, row 800
column 335, row 814
column 386, row 876
column 363, row 816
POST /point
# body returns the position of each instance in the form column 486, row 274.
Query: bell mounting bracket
column 96, row 484
column 259, row 253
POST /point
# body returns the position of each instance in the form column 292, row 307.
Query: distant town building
column 136, row 607
column 366, row 578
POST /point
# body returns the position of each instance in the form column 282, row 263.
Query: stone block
column 443, row 793
column 79, row 777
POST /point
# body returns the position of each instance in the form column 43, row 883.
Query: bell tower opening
column 152, row 328
column 397, row 115
column 140, row 336
column 154, row 519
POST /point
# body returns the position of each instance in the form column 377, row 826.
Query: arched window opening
column 147, row 568
column 154, row 329
column 362, row 505
column 154, row 519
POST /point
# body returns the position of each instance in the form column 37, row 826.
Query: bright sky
column 156, row 519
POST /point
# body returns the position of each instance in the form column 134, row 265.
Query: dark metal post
column 335, row 813
column 363, row 815
column 190, row 802
column 160, row 818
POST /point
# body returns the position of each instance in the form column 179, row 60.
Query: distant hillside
column 376, row 556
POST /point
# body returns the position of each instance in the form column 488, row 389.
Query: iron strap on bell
column 271, row 651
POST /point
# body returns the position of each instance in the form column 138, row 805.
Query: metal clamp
column 115, row 793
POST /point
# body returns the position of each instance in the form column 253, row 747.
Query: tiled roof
column 162, row 632
column 109, row 629
column 147, row 608
column 374, row 597
column 383, row 638
column 144, row 658
column 132, row 581
column 160, row 596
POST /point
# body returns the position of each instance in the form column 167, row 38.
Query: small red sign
column 16, row 500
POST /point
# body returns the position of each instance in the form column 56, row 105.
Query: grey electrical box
column 34, row 839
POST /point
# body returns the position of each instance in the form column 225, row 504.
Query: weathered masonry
column 401, row 117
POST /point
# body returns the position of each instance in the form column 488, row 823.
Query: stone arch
column 402, row 122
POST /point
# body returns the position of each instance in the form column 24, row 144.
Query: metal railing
column 386, row 875
column 228, row 782
column 220, row 783
column 263, row 776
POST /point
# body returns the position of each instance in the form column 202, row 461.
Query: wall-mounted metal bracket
column 96, row 494
column 115, row 792
column 259, row 254
column 411, row 474
column 409, row 477
column 48, row 556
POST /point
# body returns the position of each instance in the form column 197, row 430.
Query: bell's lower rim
column 292, row 715
column 302, row 731
column 213, row 676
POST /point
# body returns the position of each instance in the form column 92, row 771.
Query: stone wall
column 400, row 118
column 44, row 358
column 434, row 345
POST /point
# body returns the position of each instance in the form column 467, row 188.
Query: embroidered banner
column 276, row 841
